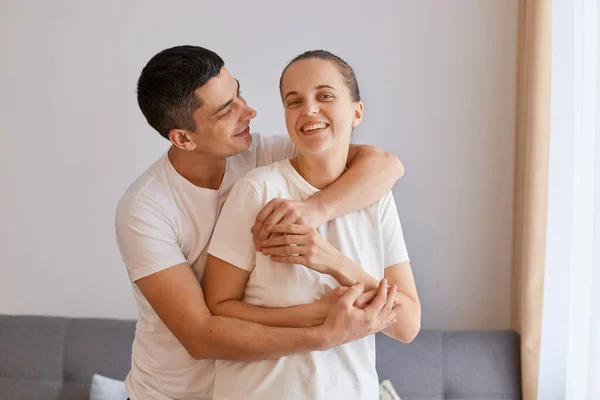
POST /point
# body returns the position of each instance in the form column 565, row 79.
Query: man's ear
column 182, row 139
column 358, row 114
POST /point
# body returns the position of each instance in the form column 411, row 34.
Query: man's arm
column 371, row 174
column 224, row 284
column 177, row 298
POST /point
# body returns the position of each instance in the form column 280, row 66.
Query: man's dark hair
column 344, row 68
column 165, row 90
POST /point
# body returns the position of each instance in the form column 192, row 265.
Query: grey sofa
column 54, row 358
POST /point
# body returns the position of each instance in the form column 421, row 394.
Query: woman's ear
column 182, row 139
column 358, row 114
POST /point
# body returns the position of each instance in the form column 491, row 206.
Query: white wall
column 438, row 79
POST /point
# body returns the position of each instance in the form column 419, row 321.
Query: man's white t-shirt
column 163, row 220
column 372, row 237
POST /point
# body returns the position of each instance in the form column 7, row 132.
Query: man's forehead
column 217, row 90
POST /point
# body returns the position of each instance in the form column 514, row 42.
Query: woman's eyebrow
column 325, row 87
column 319, row 87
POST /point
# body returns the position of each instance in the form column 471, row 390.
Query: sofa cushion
column 32, row 347
column 98, row 346
column 416, row 370
column 28, row 389
column 483, row 365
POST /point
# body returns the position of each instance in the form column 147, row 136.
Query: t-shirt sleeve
column 146, row 237
column 275, row 148
column 394, row 247
column 232, row 240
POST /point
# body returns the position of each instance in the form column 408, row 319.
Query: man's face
column 223, row 120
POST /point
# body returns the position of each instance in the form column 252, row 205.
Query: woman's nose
column 310, row 107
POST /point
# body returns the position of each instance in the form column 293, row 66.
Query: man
column 165, row 220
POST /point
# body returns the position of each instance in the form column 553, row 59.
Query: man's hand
column 346, row 323
column 299, row 244
column 286, row 212
column 322, row 307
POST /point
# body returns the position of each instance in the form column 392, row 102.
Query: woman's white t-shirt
column 372, row 237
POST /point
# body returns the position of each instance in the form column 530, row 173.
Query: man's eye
column 226, row 113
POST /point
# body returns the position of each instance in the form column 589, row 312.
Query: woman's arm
column 298, row 244
column 408, row 319
column 224, row 286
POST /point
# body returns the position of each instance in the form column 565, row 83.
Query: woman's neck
column 322, row 169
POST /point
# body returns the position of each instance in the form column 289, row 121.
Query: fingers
column 288, row 219
column 350, row 297
column 285, row 251
column 257, row 243
column 388, row 314
column 391, row 298
column 293, row 229
column 365, row 298
column 271, row 214
column 262, row 216
column 340, row 290
column 274, row 219
column 300, row 260
column 380, row 299
column 284, row 240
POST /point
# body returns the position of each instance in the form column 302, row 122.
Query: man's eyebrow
column 228, row 102
column 293, row 92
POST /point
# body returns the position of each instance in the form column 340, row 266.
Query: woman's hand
column 299, row 244
column 284, row 212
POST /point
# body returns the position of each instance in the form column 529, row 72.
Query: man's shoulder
column 265, row 149
column 150, row 189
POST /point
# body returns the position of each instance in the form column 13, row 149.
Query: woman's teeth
column 314, row 126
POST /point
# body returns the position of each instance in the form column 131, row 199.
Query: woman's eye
column 326, row 96
column 293, row 103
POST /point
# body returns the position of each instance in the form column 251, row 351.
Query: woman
column 288, row 285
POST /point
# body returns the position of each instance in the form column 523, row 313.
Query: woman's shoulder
column 267, row 175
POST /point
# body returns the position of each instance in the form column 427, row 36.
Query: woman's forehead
column 311, row 74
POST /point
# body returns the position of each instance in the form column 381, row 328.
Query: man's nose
column 249, row 113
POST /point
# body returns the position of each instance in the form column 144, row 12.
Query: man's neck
column 202, row 171
column 321, row 170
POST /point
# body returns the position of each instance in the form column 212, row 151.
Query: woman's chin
column 312, row 149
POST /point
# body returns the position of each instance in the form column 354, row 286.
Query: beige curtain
column 531, row 182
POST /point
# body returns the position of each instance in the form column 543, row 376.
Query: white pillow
column 104, row 388
column 387, row 392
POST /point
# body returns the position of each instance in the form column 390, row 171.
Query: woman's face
column 319, row 111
